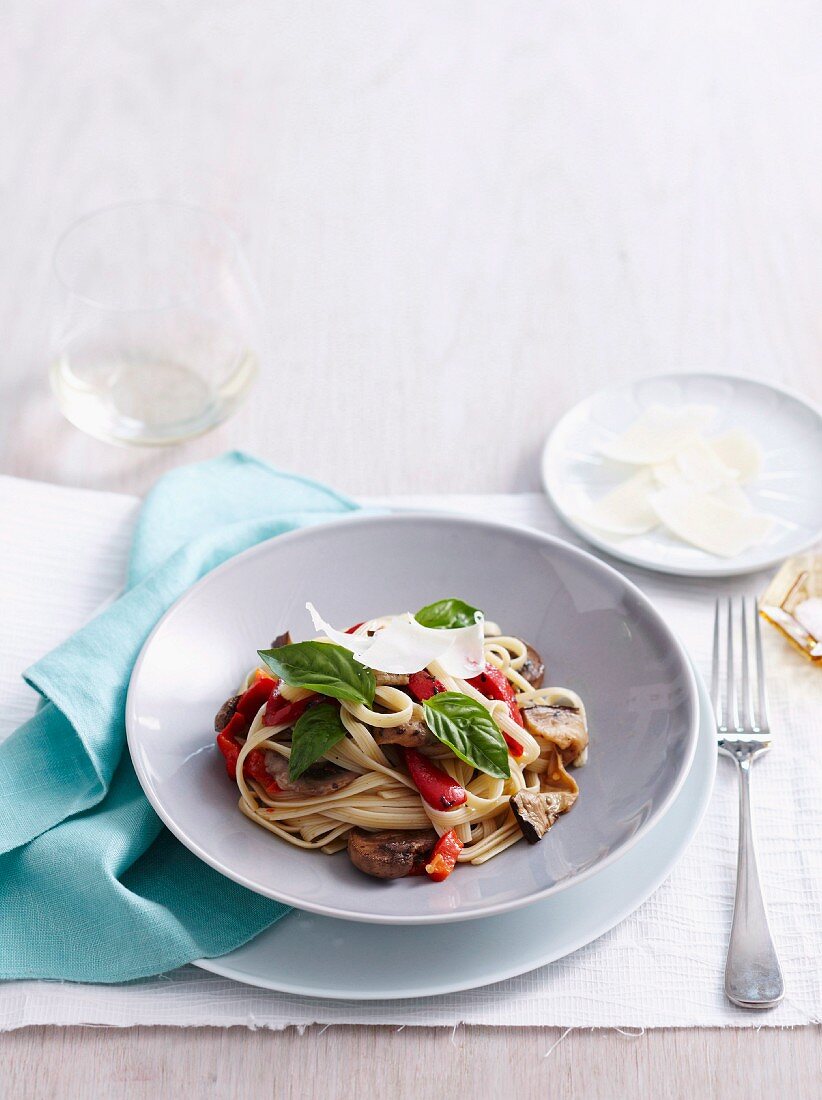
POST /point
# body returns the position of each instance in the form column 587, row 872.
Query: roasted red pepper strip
column 254, row 696
column 254, row 768
column 230, row 750
column 422, row 685
column 494, row 684
column 253, row 765
column 437, row 787
column 247, row 706
column 514, row 747
column 444, row 856
column 279, row 711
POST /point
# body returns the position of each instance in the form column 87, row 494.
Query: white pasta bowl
column 596, row 632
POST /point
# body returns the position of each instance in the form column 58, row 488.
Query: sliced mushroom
column 225, row 713
column 533, row 670
column 392, row 854
column 412, row 735
column 320, row 779
column 390, row 679
column 281, row 640
column 536, row 813
column 563, row 726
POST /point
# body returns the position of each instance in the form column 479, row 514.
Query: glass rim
column 173, row 204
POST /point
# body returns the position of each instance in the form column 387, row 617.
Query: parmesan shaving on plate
column 699, row 464
column 658, row 434
column 734, row 495
column 707, row 522
column 404, row 646
column 695, row 463
column 686, row 482
column 625, row 510
column 741, row 452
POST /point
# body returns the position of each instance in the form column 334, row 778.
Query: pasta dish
column 414, row 742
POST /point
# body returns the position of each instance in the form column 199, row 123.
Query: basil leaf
column 447, row 614
column 469, row 731
column 316, row 731
column 320, row 666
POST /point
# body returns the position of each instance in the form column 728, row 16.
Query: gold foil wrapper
column 792, row 603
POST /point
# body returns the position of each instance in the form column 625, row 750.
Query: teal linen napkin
column 92, row 887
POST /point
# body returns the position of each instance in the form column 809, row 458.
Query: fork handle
column 753, row 978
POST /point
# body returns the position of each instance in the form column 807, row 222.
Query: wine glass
column 158, row 331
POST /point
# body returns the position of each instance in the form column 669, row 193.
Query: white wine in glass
column 159, row 323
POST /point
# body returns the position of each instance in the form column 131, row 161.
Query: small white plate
column 322, row 957
column 788, row 428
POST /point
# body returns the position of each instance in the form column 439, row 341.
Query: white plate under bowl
column 597, row 633
column 788, row 428
column 321, row 957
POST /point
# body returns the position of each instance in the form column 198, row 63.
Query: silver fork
column 753, row 978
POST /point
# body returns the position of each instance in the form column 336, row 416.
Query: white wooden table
column 462, row 218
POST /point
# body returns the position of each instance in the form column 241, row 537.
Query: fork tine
column 732, row 721
column 716, row 690
column 746, row 711
column 762, row 715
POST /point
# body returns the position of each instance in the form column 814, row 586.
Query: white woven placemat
column 62, row 553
